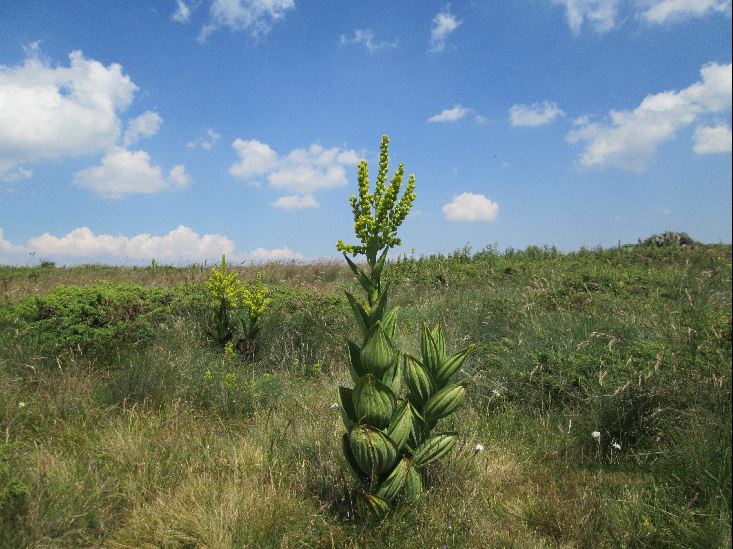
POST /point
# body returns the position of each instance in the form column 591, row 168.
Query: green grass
column 140, row 433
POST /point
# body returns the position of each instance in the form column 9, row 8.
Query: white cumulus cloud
column 450, row 115
column 49, row 112
column 664, row 11
column 631, row 138
column 471, row 207
column 8, row 247
column 255, row 159
column 256, row 17
column 301, row 171
column 711, row 140
column 145, row 125
column 182, row 13
column 123, row 171
column 600, row 14
column 296, row 202
column 444, row 23
column 536, row 114
column 366, row 37
column 178, row 177
column 275, row 254
column 182, row 244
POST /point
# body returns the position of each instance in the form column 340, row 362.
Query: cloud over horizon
column 181, row 244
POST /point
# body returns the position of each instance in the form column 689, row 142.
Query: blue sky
column 183, row 129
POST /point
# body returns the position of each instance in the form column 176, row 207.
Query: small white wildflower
column 596, row 435
column 496, row 392
column 616, row 445
column 335, row 406
column 479, row 448
column 21, row 404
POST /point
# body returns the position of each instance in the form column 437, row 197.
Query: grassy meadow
column 122, row 425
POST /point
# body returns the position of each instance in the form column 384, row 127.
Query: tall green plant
column 390, row 439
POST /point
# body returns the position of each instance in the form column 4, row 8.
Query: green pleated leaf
column 347, row 407
column 379, row 265
column 451, row 364
column 439, row 340
column 374, row 403
column 373, row 295
column 377, row 354
column 377, row 312
column 429, row 351
column 395, row 481
column 401, row 424
column 389, row 323
column 432, row 449
column 392, row 378
column 413, row 485
column 443, row 403
column 355, row 368
column 374, row 452
column 419, row 430
column 370, row 506
column 351, row 464
column 362, row 317
column 360, row 275
column 418, row 381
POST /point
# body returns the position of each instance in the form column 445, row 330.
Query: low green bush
column 96, row 319
column 234, row 310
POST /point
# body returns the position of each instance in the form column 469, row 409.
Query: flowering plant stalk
column 236, row 309
column 390, row 439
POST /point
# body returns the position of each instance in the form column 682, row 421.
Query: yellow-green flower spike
column 378, row 216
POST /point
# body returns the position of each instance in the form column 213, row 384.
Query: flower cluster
column 223, row 285
column 377, row 216
column 255, row 299
column 236, row 308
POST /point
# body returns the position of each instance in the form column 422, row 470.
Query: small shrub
column 668, row 239
column 97, row 319
column 235, row 309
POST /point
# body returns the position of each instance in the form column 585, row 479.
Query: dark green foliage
column 95, row 319
column 303, row 328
